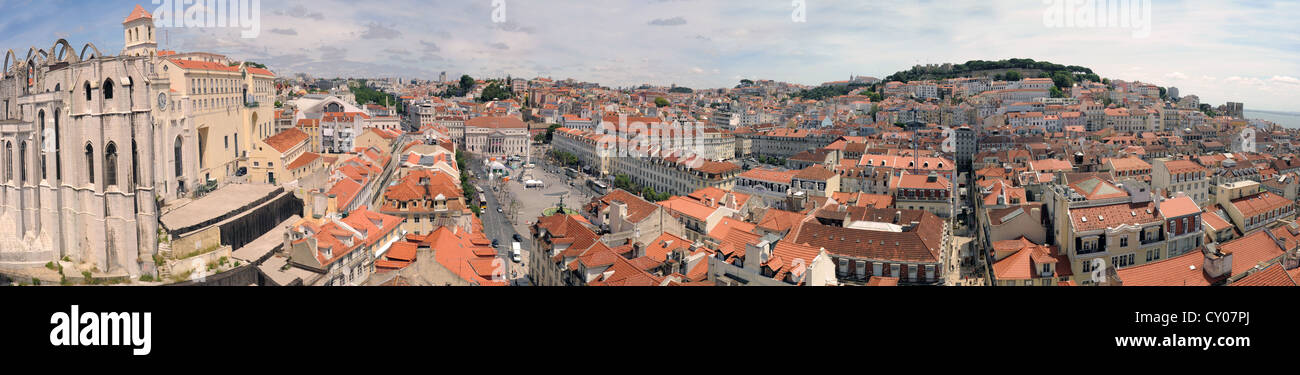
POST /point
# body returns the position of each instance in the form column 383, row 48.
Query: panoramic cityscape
column 654, row 143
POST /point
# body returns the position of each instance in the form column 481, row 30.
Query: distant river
column 1286, row 119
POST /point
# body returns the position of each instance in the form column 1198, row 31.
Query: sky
column 1246, row 51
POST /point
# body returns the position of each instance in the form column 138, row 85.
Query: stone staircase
column 164, row 270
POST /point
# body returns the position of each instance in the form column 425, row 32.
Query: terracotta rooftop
column 920, row 244
column 137, row 13
column 1274, row 275
column 1178, row 207
column 1112, row 216
column 766, row 175
column 1183, row 270
column 1249, row 251
column 287, row 139
column 1260, row 203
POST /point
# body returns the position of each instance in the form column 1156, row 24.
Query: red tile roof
column 260, row 71
column 1251, row 250
column 882, row 281
column 1026, row 263
column 917, row 181
column 920, row 244
column 1177, row 207
column 637, row 208
column 1260, row 203
column 1274, row 275
column 815, row 172
column 666, row 243
column 137, row 13
column 203, row 65
column 467, row 255
column 1183, row 270
column 287, row 139
column 776, row 220
column 303, row 160
column 496, row 122
column 1112, row 216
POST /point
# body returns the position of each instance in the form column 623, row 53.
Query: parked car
column 495, row 244
column 518, row 238
column 515, row 253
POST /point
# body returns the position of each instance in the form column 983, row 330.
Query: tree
column 466, row 83
column 495, row 92
column 1014, row 76
column 622, row 181
column 746, row 82
column 550, row 132
column 1208, row 111
column 681, row 90
column 661, row 102
column 1057, row 93
column 1062, row 80
column 1164, row 94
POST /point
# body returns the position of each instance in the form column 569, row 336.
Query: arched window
column 110, row 164
column 108, row 89
column 180, row 168
column 40, row 141
column 58, row 153
column 22, row 162
column 9, row 161
column 90, row 163
column 87, row 87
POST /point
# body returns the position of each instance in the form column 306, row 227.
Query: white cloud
column 1285, row 80
column 757, row 40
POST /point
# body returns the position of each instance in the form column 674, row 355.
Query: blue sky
column 1219, row 50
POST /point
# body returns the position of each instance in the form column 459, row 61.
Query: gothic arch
column 34, row 52
column 91, row 46
column 9, row 56
column 63, row 54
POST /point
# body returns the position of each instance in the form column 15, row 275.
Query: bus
column 599, row 187
column 572, row 173
column 482, row 200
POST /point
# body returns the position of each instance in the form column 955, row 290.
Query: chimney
column 898, row 216
column 1217, row 263
column 332, row 205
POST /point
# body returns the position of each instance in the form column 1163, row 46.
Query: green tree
column 622, row 181
column 1062, row 80
column 466, row 83
column 1014, row 76
column 1057, row 93
column 661, row 102
column 495, row 92
column 746, row 82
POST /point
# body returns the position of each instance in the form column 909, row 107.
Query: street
column 498, row 227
